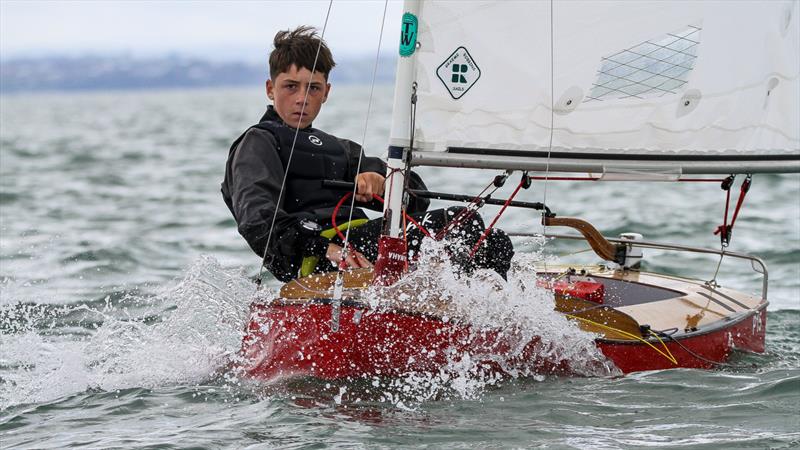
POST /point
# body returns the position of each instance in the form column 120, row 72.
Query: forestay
column 668, row 87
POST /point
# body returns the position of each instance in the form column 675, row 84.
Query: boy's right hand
column 368, row 183
column 354, row 259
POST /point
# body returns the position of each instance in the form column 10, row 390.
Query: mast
column 400, row 140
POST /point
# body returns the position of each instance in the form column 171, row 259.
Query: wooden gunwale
column 690, row 309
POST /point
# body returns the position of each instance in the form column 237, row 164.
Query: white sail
column 693, row 87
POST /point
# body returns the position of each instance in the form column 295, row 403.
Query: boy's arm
column 372, row 164
column 369, row 165
column 254, row 174
column 254, row 177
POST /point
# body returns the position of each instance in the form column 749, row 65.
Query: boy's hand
column 369, row 183
column 354, row 259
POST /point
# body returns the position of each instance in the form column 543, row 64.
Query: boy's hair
column 299, row 47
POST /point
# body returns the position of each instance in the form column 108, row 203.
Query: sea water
column 124, row 290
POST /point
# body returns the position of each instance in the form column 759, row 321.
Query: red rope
column 496, row 218
column 725, row 230
column 336, row 227
column 463, row 215
column 407, row 217
column 380, row 199
column 460, row 218
column 418, row 225
column 742, row 193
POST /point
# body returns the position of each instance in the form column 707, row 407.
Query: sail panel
column 665, row 78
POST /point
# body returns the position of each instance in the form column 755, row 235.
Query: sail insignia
column 408, row 34
column 652, row 68
column 459, row 73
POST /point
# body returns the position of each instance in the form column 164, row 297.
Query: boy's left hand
column 369, row 183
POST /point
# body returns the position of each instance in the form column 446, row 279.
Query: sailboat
column 643, row 91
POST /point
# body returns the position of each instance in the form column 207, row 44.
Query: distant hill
column 125, row 72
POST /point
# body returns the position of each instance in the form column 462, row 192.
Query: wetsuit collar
column 272, row 116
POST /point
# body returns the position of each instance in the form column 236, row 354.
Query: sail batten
column 704, row 80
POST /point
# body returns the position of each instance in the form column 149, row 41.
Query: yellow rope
column 666, row 353
column 671, row 358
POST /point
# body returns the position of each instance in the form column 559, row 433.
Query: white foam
column 201, row 325
column 187, row 332
column 518, row 310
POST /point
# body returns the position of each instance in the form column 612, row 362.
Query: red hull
column 696, row 351
column 296, row 340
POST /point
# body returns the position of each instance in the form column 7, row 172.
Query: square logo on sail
column 458, row 73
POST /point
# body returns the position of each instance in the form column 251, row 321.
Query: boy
column 258, row 160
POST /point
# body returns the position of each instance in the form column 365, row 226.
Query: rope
column 742, row 193
column 291, row 151
column 413, row 112
column 552, row 114
column 336, row 227
column 665, row 353
column 409, row 218
column 552, row 119
column 700, row 357
column 380, row 199
column 726, row 230
column 722, row 230
column 466, row 213
column 412, row 125
column 364, row 136
column 497, row 217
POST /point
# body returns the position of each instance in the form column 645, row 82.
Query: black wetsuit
column 255, row 170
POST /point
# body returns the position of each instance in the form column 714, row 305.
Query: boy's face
column 288, row 90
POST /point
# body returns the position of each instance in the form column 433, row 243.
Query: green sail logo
column 458, row 73
column 408, row 34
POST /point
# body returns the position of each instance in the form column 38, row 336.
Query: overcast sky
column 240, row 30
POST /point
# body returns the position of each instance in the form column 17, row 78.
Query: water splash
column 513, row 322
column 182, row 334
column 189, row 332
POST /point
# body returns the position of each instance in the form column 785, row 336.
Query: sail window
column 652, row 68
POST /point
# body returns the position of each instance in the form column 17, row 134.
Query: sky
column 229, row 30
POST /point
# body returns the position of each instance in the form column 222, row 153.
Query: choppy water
column 124, row 287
